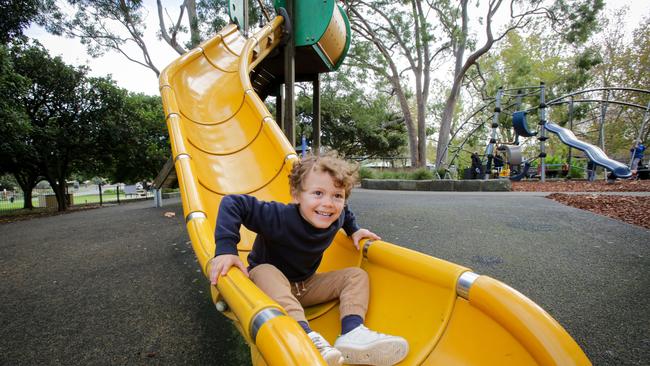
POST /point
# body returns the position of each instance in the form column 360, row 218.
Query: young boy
column 289, row 247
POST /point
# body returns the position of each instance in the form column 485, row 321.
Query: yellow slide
column 224, row 141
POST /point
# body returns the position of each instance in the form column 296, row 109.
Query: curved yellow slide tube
column 219, row 129
column 225, row 141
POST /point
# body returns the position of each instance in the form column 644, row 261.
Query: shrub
column 577, row 169
column 421, row 174
column 554, row 159
column 365, row 173
column 393, row 175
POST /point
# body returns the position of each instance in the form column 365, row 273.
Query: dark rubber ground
column 120, row 286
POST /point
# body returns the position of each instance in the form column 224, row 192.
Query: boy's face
column 320, row 201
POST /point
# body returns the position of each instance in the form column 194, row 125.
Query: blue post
column 304, row 146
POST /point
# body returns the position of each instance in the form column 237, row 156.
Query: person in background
column 476, row 165
column 591, row 171
column 636, row 153
column 498, row 164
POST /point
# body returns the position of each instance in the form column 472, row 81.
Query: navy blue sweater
column 284, row 238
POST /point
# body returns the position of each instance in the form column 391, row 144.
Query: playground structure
column 225, row 141
column 572, row 132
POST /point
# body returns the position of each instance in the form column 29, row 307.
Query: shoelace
column 319, row 342
column 373, row 332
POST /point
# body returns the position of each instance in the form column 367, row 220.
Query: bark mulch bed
column 582, row 186
column 631, row 209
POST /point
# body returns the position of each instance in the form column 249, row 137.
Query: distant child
column 476, row 165
column 291, row 239
column 637, row 155
column 591, row 171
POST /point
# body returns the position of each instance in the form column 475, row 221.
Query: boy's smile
column 320, row 201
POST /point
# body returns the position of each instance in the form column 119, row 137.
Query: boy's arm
column 234, row 211
column 353, row 230
column 229, row 220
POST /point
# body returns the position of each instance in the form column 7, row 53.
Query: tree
column 107, row 25
column 575, row 20
column 353, row 123
column 419, row 34
column 637, row 57
column 18, row 14
column 15, row 147
column 67, row 115
column 525, row 60
column 400, row 34
column 143, row 140
column 8, row 182
column 624, row 61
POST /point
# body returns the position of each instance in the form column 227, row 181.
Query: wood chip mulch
column 582, row 186
column 633, row 210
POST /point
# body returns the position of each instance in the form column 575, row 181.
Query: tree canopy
column 524, row 59
column 143, row 140
column 18, row 14
column 119, row 26
column 61, row 121
column 355, row 123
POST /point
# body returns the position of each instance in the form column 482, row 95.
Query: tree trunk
column 413, row 141
column 422, row 134
column 27, row 199
column 193, row 19
column 460, row 70
column 408, row 120
column 422, row 79
column 27, row 184
column 450, row 104
column 59, row 191
column 445, row 126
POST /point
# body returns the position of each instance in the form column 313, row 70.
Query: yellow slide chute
column 225, row 141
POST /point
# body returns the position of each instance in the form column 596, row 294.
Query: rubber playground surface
column 120, row 285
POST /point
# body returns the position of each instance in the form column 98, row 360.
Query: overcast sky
column 140, row 79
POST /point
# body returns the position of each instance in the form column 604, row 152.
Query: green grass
column 7, row 206
column 17, row 204
column 106, row 197
column 94, row 198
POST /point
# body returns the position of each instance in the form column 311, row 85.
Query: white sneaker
column 330, row 354
column 364, row 346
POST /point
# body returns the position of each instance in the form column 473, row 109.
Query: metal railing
column 11, row 201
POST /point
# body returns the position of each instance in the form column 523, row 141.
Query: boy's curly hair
column 344, row 174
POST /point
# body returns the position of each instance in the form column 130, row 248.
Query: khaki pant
column 349, row 285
